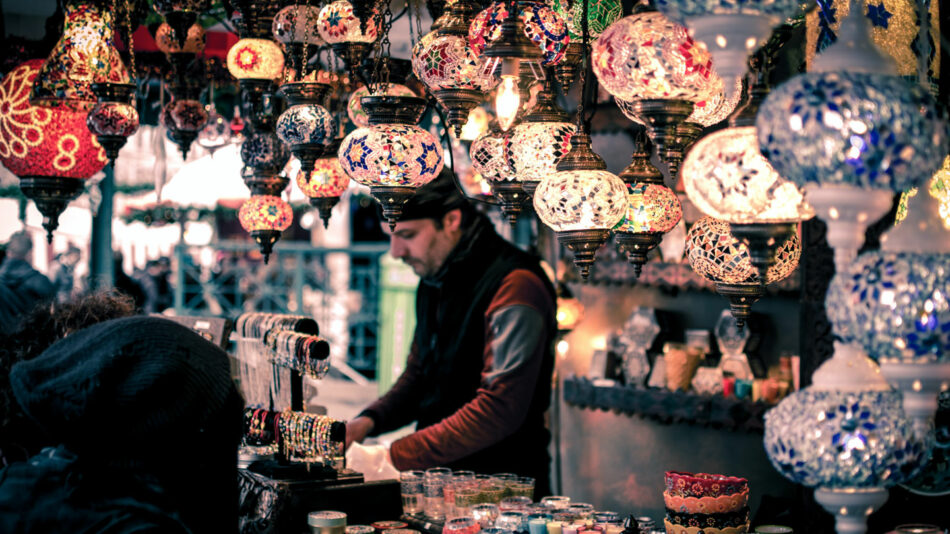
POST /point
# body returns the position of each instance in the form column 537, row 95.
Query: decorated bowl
column 735, row 519
column 684, row 529
column 682, row 484
column 706, row 505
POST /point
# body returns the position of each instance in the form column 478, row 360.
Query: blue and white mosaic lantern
column 391, row 155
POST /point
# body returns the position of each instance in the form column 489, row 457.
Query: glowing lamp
column 255, row 59
column 184, row 118
column 167, row 41
column 581, row 202
column 114, row 117
column 350, row 39
column 719, row 257
column 265, row 217
column 392, row 156
column 50, row 149
column 939, row 189
column 85, row 54
column 325, row 184
column 540, row 141
column 490, row 160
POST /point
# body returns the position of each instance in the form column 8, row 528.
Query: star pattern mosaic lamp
column 167, row 40
column 114, row 117
column 255, row 59
column 652, row 63
column 488, row 154
column 581, row 202
column 349, row 37
column 183, row 118
column 295, row 29
column 653, row 209
column 265, row 217
column 85, row 54
column 306, row 127
column 717, row 256
column 392, row 156
column 445, row 63
column 49, row 148
column 815, row 131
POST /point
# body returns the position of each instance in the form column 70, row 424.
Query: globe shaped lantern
column 489, row 159
column 265, row 217
column 49, row 148
column 114, row 117
column 85, row 54
column 392, row 156
column 326, row 183
column 354, row 107
column 653, row 209
column 306, row 127
column 600, row 15
column 446, row 64
column 581, row 202
column 295, row 28
column 519, row 38
column 846, row 435
column 350, row 38
column 255, row 59
column 167, row 40
column 852, row 133
column 264, row 157
column 539, row 141
column 717, row 256
column 727, row 177
column 652, row 62
column 184, row 118
column 181, row 16
column 730, row 30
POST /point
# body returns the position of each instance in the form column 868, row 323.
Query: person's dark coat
column 21, row 289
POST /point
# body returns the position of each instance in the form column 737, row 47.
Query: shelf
column 667, row 407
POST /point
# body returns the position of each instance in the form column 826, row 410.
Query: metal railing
column 339, row 287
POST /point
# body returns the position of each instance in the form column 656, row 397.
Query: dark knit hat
column 435, row 199
column 128, row 385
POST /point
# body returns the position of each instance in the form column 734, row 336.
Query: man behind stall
column 478, row 376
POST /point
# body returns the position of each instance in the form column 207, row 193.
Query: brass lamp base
column 51, row 194
column 584, row 245
column 265, row 240
column 324, row 207
column 741, row 298
column 308, row 154
column 112, row 144
column 570, row 65
column 458, row 103
column 637, row 246
column 762, row 240
column 666, row 125
column 392, row 199
column 266, row 184
column 512, row 198
column 351, row 53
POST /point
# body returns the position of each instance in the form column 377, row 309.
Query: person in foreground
column 478, row 376
column 149, row 422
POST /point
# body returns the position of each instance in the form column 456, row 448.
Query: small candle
column 554, row 527
column 537, row 526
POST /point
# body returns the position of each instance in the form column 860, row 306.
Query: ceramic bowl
column 706, row 505
column 684, row 484
column 728, row 520
column 683, row 529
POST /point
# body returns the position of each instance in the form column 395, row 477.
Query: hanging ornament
column 184, row 118
column 392, row 156
column 653, row 63
column 167, row 41
column 295, row 28
column 217, row 132
column 306, row 127
column 255, row 59
column 653, row 209
column 326, row 183
column 181, row 15
column 349, row 37
column 489, row 159
column 449, row 68
column 719, row 257
column 265, row 217
column 581, row 202
column 85, row 54
column 49, row 148
column 114, row 118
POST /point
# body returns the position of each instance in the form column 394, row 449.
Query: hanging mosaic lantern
column 392, row 156
column 653, row 209
column 541, row 24
column 719, row 257
column 350, row 39
column 489, row 159
column 114, row 118
column 581, row 202
column 326, row 183
column 264, row 157
column 167, row 41
column 306, row 127
column 449, row 68
column 653, row 63
column 255, row 59
column 265, row 217
column 538, row 143
column 295, row 28
column 85, row 54
column 181, row 15
column 49, row 148
column 184, row 118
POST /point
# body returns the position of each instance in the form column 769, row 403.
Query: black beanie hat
column 435, row 199
column 128, row 385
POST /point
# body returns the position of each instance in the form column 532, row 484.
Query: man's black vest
column 450, row 339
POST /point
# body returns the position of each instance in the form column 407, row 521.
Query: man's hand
column 357, row 429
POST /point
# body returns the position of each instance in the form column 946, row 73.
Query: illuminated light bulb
column 507, row 102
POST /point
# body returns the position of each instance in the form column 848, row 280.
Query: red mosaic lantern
column 265, row 217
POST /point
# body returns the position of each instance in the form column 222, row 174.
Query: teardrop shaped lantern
column 306, row 127
column 265, row 217
column 392, row 156
column 489, row 160
column 114, row 117
column 326, row 183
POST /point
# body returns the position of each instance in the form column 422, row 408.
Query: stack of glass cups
column 410, row 484
column 484, row 514
column 581, row 510
column 523, row 487
column 556, row 502
column 460, row 482
column 432, row 486
column 461, row 525
column 518, row 503
column 512, row 522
